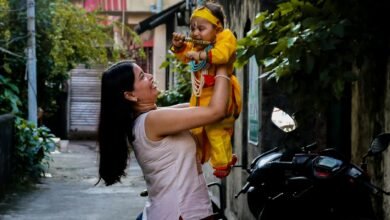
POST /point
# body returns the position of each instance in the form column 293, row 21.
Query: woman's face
column 145, row 89
column 201, row 29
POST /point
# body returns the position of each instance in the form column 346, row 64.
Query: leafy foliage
column 32, row 151
column 9, row 99
column 182, row 91
column 65, row 36
column 310, row 47
column 32, row 145
column 76, row 37
column 131, row 42
column 4, row 31
column 69, row 36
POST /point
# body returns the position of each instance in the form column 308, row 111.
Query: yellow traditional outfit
column 215, row 139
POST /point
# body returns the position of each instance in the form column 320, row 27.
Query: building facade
column 131, row 13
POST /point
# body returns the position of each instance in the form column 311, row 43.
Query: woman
column 160, row 137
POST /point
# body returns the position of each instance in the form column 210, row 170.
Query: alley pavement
column 69, row 192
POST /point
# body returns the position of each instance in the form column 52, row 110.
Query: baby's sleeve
column 224, row 48
column 181, row 52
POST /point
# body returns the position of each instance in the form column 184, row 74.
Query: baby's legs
column 202, row 144
column 214, row 141
column 221, row 147
column 221, row 151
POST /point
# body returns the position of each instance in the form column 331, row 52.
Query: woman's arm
column 167, row 121
column 180, row 105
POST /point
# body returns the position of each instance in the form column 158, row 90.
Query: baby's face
column 201, row 29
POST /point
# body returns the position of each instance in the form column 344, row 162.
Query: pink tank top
column 174, row 181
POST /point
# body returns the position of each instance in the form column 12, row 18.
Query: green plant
column 170, row 97
column 181, row 92
column 4, row 32
column 131, row 47
column 32, row 151
column 9, row 99
column 309, row 48
column 69, row 36
column 66, row 35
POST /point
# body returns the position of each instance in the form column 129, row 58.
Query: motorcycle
column 310, row 184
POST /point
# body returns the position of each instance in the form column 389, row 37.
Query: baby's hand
column 178, row 39
column 193, row 55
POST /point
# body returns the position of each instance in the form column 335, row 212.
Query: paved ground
column 68, row 193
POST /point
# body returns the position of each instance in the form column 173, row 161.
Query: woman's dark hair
column 115, row 122
column 217, row 10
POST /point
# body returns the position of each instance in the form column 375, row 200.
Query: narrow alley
column 69, row 192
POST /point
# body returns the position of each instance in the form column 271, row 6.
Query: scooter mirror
column 379, row 144
column 283, row 120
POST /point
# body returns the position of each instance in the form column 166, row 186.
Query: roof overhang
column 159, row 18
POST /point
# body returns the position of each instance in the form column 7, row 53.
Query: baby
column 210, row 45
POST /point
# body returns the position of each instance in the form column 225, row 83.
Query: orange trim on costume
column 209, row 80
column 209, row 57
column 224, row 171
column 179, row 50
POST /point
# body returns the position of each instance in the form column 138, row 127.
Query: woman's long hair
column 115, row 122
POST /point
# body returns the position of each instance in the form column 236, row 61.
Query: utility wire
column 11, row 53
column 15, row 39
column 14, row 10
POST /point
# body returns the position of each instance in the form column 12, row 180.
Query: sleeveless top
column 176, row 186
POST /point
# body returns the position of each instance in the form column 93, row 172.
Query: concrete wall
column 6, row 144
column 238, row 15
column 131, row 5
column 159, row 55
column 370, row 116
column 386, row 156
column 145, row 5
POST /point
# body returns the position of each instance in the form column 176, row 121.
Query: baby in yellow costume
column 214, row 141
